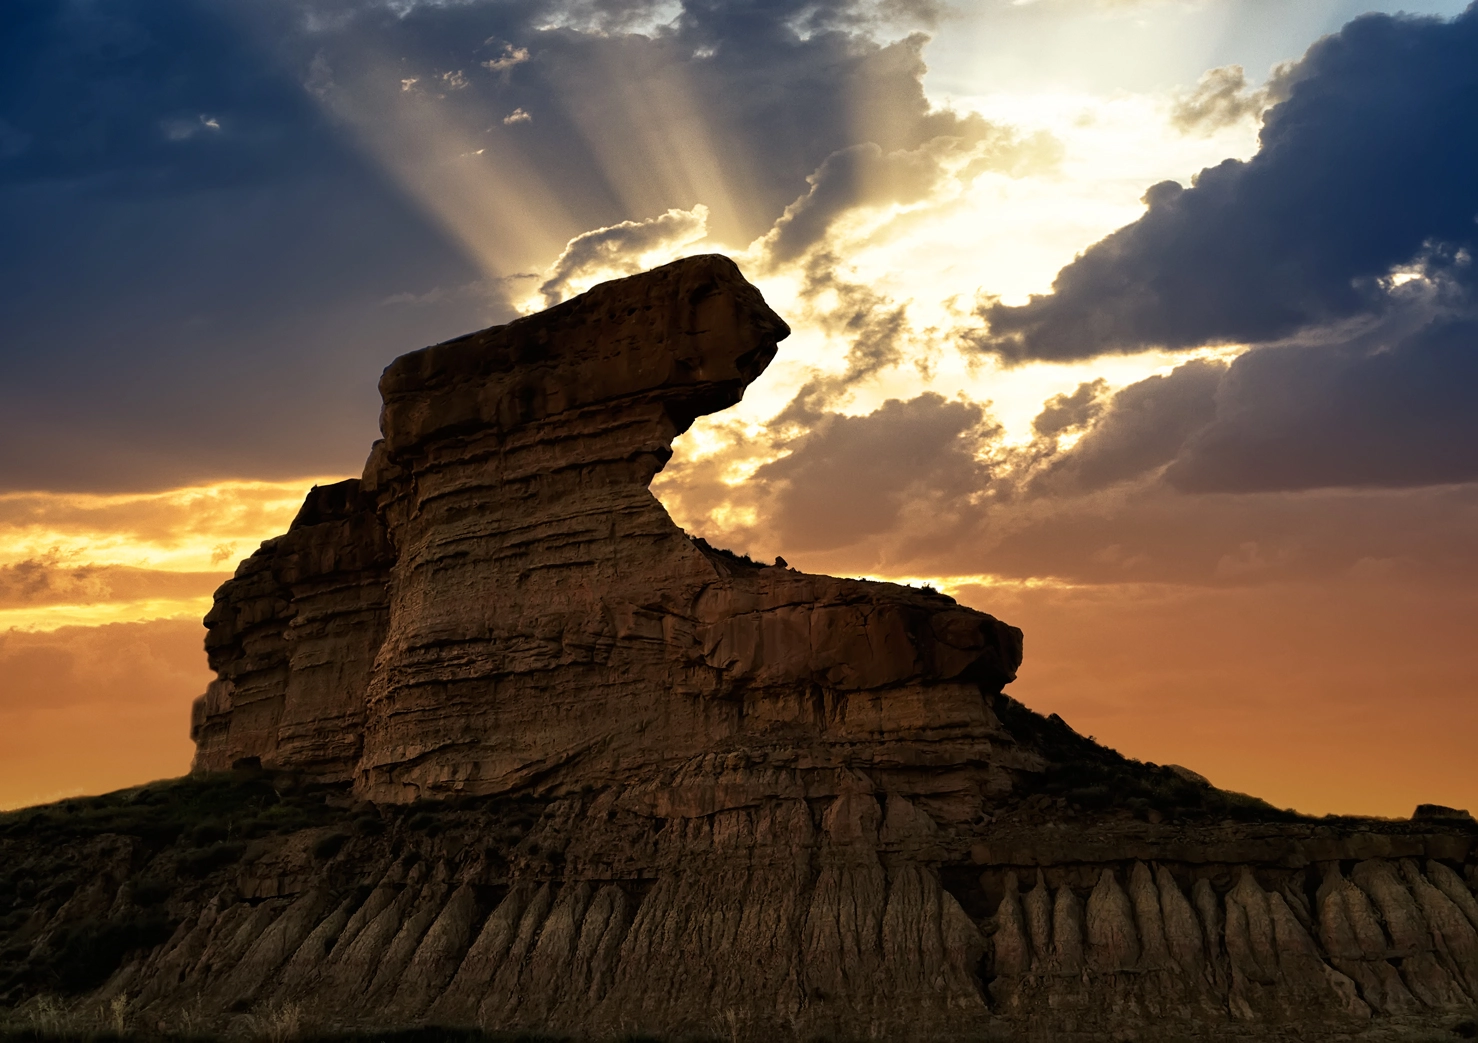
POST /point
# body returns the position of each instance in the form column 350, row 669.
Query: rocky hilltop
column 494, row 744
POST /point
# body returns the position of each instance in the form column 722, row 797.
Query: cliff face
column 511, row 750
column 292, row 639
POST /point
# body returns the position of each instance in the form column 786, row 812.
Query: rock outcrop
column 495, row 744
column 501, row 598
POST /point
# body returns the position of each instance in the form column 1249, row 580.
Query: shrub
column 207, row 833
column 202, row 861
column 329, row 846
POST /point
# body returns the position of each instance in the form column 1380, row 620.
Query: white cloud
column 620, row 249
column 510, row 57
column 1223, row 97
column 181, row 129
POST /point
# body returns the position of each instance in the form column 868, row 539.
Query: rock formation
column 494, row 743
column 501, row 598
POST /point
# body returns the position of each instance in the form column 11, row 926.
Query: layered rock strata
column 292, row 639
column 501, row 598
column 513, row 751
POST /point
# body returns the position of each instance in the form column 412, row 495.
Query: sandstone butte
column 493, row 743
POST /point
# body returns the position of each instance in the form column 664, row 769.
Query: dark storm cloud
column 1367, row 165
column 206, row 262
column 1364, row 414
column 1391, row 407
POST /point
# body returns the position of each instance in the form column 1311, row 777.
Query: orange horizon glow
column 1292, row 692
column 93, row 559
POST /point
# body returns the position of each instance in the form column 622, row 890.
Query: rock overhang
column 690, row 335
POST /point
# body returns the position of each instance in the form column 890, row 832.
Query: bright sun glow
column 993, row 235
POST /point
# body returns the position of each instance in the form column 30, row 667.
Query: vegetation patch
column 1085, row 775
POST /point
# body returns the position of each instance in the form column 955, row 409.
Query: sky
column 1149, row 326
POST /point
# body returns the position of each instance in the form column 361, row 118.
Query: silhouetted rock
column 1439, row 812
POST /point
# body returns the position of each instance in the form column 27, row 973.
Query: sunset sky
column 1149, row 326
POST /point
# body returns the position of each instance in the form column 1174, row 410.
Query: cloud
column 95, row 559
column 510, row 57
column 37, row 583
column 851, row 477
column 874, row 326
column 1369, row 413
column 1341, row 253
column 182, row 530
column 1111, row 5
column 1362, row 169
column 1143, row 427
column 863, row 176
column 1071, row 412
column 927, row 488
column 729, row 106
column 1223, row 97
column 185, row 129
column 622, row 249
column 855, row 176
column 1389, row 407
column 600, row 17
